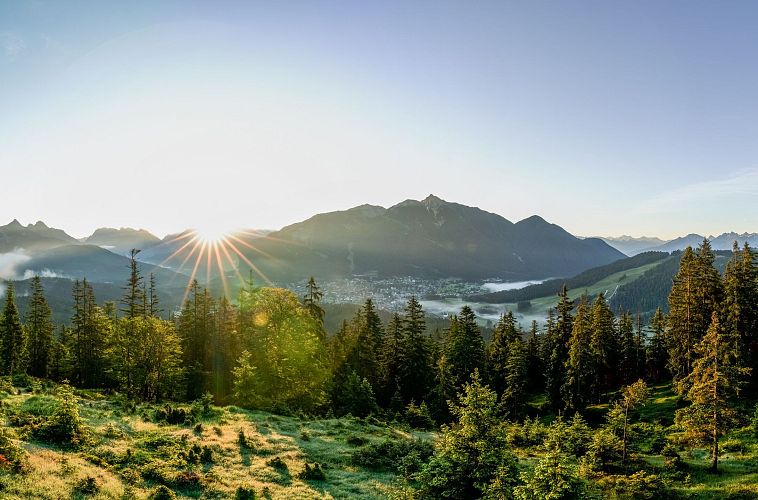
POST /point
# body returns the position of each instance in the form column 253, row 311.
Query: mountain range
column 632, row 246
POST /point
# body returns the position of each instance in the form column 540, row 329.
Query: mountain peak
column 40, row 225
column 14, row 223
column 433, row 200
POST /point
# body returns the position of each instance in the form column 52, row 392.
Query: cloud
column 735, row 186
column 10, row 261
column 11, row 45
column 44, row 273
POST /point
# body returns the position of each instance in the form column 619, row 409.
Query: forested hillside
column 252, row 397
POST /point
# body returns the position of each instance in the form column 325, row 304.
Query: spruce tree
column 416, row 362
column 581, row 365
column 685, row 327
column 604, row 347
column 464, row 349
column 657, row 352
column 389, row 359
column 713, row 389
column 628, row 349
column 557, row 340
column 39, row 329
column 12, row 335
column 535, row 371
column 312, row 300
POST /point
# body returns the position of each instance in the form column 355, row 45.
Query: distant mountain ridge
column 15, row 236
column 431, row 238
column 723, row 241
column 122, row 240
column 630, row 245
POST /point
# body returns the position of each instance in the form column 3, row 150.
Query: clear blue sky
column 604, row 117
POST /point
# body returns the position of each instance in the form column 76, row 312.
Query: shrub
column 87, row 485
column 530, row 433
column 553, row 477
column 277, row 463
column 354, row 440
column 604, row 450
column 244, row 493
column 418, row 417
column 12, row 456
column 65, row 426
column 162, row 492
column 671, row 458
column 754, row 422
column 175, row 415
column 206, row 455
column 640, row 485
column 388, row 455
column 732, row 446
column 354, row 396
column 312, row 473
column 202, row 406
column 304, row 436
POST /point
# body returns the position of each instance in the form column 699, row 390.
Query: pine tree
column 695, row 295
column 684, row 324
column 464, row 349
column 12, row 335
column 390, row 362
column 535, row 371
column 739, row 309
column 416, row 362
column 604, row 347
column 713, row 389
column 134, row 299
column 581, row 367
column 90, row 330
column 628, row 349
column 312, row 300
column 657, row 353
column 39, row 329
column 497, row 351
column 557, row 346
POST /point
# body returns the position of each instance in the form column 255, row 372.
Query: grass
column 129, row 455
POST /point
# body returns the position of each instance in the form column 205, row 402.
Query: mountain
column 723, row 241
column 91, row 262
column 630, row 245
column 121, row 241
column 431, row 238
column 14, row 237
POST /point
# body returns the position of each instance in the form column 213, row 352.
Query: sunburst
column 215, row 247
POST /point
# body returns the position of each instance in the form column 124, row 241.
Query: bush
column 87, row 486
column 732, row 446
column 604, row 450
column 553, row 477
column 244, row 493
column 418, row 417
column 640, row 485
column 12, row 456
column 754, row 422
column 530, row 433
column 175, row 415
column 354, row 440
column 206, row 455
column 312, row 473
column 162, row 492
column 277, row 463
column 388, row 455
column 671, row 458
column 65, row 426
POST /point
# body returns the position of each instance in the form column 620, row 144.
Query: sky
column 606, row 118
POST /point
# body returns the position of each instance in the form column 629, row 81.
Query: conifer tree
column 685, row 327
column 739, row 310
column 39, row 329
column 498, row 349
column 628, row 349
column 713, row 389
column 557, row 349
column 464, row 349
column 604, row 347
column 657, row 353
column 12, row 335
column 88, row 340
column 581, row 367
column 134, row 298
column 312, row 300
column 535, row 376
column 389, row 359
column 416, row 362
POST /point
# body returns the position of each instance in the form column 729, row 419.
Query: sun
column 212, row 233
